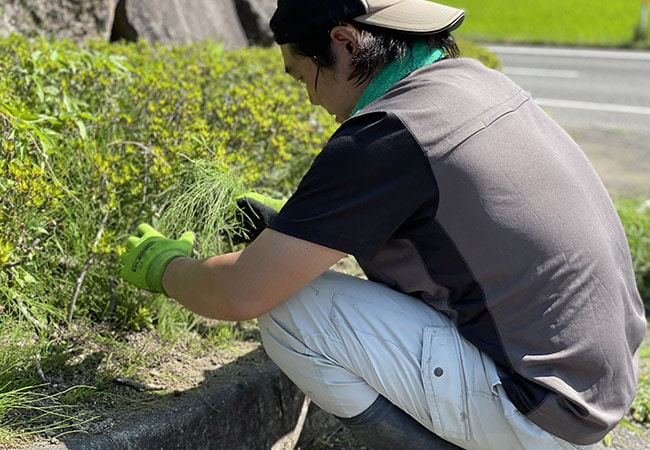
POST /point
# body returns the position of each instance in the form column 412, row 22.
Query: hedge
column 98, row 138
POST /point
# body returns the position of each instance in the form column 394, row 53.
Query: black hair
column 376, row 48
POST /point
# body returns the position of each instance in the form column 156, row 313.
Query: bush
column 635, row 215
column 96, row 139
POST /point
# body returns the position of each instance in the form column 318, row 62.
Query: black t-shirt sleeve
column 370, row 182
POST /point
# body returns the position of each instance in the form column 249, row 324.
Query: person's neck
column 418, row 56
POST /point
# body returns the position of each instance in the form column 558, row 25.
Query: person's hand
column 256, row 211
column 148, row 255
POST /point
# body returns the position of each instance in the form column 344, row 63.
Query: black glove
column 255, row 213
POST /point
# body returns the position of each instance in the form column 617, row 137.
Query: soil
column 621, row 159
column 104, row 379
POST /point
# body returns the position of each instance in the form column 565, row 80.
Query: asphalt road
column 606, row 89
column 601, row 97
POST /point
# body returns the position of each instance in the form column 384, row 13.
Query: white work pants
column 343, row 340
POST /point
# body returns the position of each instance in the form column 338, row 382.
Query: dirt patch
column 102, row 380
column 621, row 159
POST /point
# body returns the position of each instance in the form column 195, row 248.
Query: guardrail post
column 642, row 30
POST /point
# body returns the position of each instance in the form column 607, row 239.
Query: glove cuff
column 157, row 268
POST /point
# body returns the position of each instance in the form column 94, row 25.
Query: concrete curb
column 258, row 410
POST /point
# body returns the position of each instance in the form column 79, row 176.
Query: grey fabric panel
column 520, row 202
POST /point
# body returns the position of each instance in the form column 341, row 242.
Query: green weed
column 640, row 410
column 203, row 201
column 25, row 412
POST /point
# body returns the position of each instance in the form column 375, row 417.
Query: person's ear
column 344, row 39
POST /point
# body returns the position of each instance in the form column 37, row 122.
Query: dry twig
column 84, row 271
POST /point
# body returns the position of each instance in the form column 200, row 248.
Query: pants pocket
column 444, row 381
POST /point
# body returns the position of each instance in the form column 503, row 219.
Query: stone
column 179, row 21
column 255, row 16
column 63, row 19
column 235, row 23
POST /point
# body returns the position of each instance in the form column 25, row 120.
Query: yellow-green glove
column 273, row 203
column 148, row 255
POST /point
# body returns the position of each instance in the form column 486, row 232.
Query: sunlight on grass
column 640, row 409
column 204, row 202
column 578, row 22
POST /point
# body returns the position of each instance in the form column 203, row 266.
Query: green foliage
column 97, row 139
column 635, row 215
column 203, row 202
column 640, row 409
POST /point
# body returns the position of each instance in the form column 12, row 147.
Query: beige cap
column 417, row 16
column 295, row 20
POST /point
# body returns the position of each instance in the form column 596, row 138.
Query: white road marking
column 593, row 106
column 572, row 52
column 546, row 73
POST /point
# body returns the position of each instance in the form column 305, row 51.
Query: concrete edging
column 256, row 411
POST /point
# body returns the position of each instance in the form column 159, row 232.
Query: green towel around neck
column 419, row 56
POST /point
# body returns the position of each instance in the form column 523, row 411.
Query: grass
column 612, row 23
column 203, row 203
column 25, row 408
column 640, row 410
column 34, row 413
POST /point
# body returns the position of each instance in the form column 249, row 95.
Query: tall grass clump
column 203, row 201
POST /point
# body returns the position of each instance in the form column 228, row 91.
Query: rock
column 64, row 19
column 255, row 16
column 235, row 23
column 179, row 21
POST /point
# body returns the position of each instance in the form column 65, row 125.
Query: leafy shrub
column 96, row 139
column 635, row 215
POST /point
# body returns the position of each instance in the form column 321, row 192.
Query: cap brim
column 416, row 16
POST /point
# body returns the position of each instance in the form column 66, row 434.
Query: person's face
column 327, row 87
